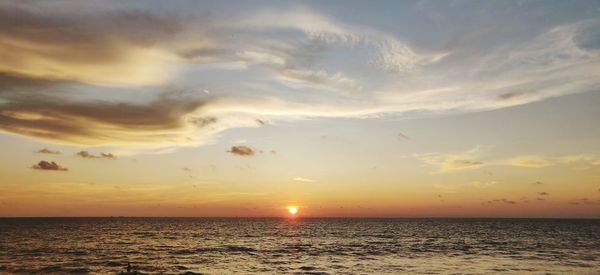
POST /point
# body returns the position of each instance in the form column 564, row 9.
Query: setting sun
column 293, row 210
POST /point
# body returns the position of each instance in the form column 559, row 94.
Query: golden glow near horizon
column 142, row 109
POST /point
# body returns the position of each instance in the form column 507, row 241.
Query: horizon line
column 308, row 217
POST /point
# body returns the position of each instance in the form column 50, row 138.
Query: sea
column 298, row 246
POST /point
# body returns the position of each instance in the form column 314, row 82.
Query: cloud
column 535, row 161
column 301, row 179
column 589, row 159
column 47, row 151
column 543, row 193
column 51, row 166
column 169, row 117
column 242, row 150
column 472, row 159
column 87, row 155
column 454, row 161
column 402, row 136
column 261, row 122
column 116, row 48
column 320, row 77
column 585, row 201
column 513, row 94
column 530, row 161
column 505, row 201
column 298, row 62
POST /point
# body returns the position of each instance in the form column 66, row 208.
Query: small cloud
column 47, row 151
column 446, row 162
column 540, row 199
column 402, row 136
column 261, row 122
column 513, row 95
column 273, row 152
column 49, row 165
column 585, row 201
column 538, row 183
column 304, row 179
column 107, row 155
column 501, row 201
column 242, row 151
column 531, row 161
column 440, row 197
column 508, row 201
column 87, row 155
column 186, row 169
column 588, row 159
column 543, row 193
column 202, row 122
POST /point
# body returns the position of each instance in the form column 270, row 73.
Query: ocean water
column 301, row 246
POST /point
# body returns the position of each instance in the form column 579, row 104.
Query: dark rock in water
column 111, row 263
column 191, row 273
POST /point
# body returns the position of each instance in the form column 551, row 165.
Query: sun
column 293, row 210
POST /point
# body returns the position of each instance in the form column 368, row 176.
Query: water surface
column 302, row 246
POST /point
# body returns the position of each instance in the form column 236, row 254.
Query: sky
column 340, row 108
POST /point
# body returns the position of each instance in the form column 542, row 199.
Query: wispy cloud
column 301, row 179
column 47, row 151
column 402, row 136
column 446, row 162
column 504, row 201
column 530, row 161
column 479, row 157
column 585, row 201
column 88, row 155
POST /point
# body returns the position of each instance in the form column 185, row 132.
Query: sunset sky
column 341, row 108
